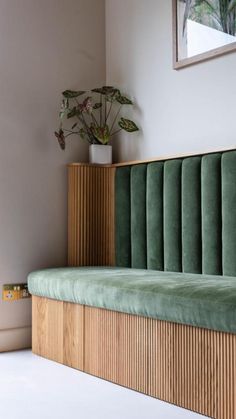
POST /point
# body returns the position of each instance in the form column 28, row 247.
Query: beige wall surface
column 46, row 46
column 49, row 45
column 188, row 110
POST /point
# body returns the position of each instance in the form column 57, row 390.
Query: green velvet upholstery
column 188, row 223
column 138, row 216
column 211, row 215
column 155, row 250
column 172, row 216
column 229, row 212
column 193, row 299
column 123, row 217
column 191, row 215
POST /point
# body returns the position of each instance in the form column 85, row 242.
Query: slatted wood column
column 90, row 215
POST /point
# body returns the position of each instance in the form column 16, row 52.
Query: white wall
column 45, row 47
column 188, row 110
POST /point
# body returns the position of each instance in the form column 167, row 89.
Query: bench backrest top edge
column 154, row 159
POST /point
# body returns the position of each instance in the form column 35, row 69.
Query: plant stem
column 84, row 123
column 111, row 104
column 82, row 119
column 115, row 119
column 101, row 111
column 105, row 119
column 115, row 132
column 68, row 135
column 77, row 101
column 94, row 119
column 69, row 130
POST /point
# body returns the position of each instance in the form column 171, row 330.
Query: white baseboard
column 14, row 339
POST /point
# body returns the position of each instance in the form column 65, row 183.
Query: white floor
column 34, row 388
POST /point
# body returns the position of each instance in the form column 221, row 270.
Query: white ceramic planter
column 100, row 154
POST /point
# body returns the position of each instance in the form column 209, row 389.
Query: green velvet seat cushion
column 199, row 300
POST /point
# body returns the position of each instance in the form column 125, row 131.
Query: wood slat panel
column 58, row 330
column 73, row 332
column 100, row 343
column 47, row 334
column 91, row 216
column 191, row 367
column 132, row 348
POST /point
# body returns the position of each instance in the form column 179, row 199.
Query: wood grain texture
column 91, row 216
column 73, row 335
column 157, row 158
column 191, row 367
column 47, row 331
column 58, row 331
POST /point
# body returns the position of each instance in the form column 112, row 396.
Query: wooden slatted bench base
column 191, row 367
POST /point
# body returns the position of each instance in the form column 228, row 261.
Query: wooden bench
column 170, row 215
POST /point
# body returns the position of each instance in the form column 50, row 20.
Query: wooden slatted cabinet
column 91, row 215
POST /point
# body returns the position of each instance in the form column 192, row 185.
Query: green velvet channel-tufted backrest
column 178, row 215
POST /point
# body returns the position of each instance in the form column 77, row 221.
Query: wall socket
column 13, row 292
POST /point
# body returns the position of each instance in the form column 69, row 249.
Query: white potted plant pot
column 100, row 154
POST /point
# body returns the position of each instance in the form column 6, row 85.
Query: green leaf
column 65, row 103
column 97, row 105
column 71, row 94
column 87, row 105
column 60, row 138
column 64, row 108
column 110, row 99
column 127, row 125
column 107, row 91
column 62, row 114
column 102, row 134
column 99, row 90
column 82, row 134
column 123, row 100
column 72, row 113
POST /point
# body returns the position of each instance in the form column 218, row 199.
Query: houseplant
column 96, row 119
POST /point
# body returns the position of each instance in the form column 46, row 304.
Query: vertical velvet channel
column 155, row 251
column 123, row 217
column 172, row 216
column 229, row 213
column 138, row 216
column 211, row 215
column 191, row 215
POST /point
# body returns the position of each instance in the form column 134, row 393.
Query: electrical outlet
column 13, row 292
